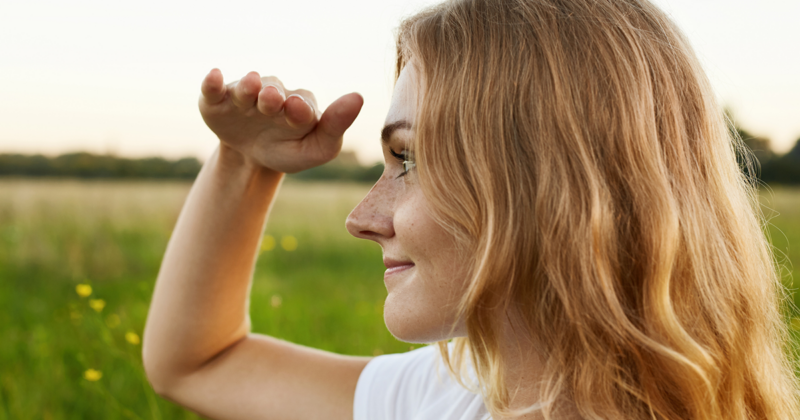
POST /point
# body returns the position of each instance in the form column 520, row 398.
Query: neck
column 523, row 370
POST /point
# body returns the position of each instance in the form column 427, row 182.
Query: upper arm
column 261, row 377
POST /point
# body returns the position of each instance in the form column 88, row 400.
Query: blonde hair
column 577, row 148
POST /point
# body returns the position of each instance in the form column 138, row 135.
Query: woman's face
column 424, row 278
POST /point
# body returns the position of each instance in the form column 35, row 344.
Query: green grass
column 54, row 235
column 781, row 207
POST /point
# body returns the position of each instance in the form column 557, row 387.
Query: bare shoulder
column 261, row 377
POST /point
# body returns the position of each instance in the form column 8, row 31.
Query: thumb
column 338, row 117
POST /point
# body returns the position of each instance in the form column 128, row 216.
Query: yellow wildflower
column 92, row 375
column 97, row 304
column 132, row 337
column 276, row 301
column 268, row 243
column 113, row 320
column 289, row 243
column 83, row 290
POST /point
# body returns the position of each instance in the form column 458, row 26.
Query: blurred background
column 100, row 139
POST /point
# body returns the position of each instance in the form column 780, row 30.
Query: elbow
column 156, row 371
column 156, row 381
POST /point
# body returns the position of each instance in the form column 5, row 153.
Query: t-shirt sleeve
column 392, row 386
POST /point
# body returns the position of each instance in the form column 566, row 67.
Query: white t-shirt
column 405, row 386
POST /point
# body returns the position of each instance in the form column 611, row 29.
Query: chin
column 417, row 325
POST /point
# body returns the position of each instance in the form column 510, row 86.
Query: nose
column 372, row 217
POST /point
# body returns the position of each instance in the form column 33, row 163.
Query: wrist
column 232, row 161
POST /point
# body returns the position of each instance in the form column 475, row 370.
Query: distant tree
column 795, row 152
column 759, row 162
column 783, row 169
column 344, row 167
column 86, row 165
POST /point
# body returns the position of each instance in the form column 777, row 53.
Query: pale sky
column 124, row 77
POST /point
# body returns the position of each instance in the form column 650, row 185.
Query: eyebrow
column 387, row 131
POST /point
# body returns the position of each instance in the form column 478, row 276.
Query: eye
column 402, row 157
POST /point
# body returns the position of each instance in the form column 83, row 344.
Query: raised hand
column 280, row 129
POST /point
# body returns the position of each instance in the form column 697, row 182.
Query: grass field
column 67, row 356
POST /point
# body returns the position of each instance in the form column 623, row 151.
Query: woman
column 561, row 198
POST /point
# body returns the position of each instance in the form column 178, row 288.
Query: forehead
column 404, row 98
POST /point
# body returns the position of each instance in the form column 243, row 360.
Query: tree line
column 344, row 167
column 768, row 168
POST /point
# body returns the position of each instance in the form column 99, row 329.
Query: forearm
column 199, row 306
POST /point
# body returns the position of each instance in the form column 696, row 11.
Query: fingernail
column 304, row 100
column 280, row 92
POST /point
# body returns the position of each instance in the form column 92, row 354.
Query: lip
column 395, row 266
column 390, row 271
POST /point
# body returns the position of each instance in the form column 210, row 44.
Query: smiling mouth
column 397, row 269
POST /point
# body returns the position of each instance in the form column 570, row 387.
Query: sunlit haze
column 124, row 77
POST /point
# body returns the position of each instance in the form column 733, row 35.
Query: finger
column 299, row 111
column 245, row 93
column 270, row 100
column 272, row 95
column 212, row 88
column 339, row 117
column 272, row 80
column 309, row 97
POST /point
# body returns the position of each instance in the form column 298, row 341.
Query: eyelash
column 407, row 164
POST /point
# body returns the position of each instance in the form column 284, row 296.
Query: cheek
column 428, row 244
column 419, row 235
column 422, row 307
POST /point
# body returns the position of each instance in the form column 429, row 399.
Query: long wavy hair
column 577, row 147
